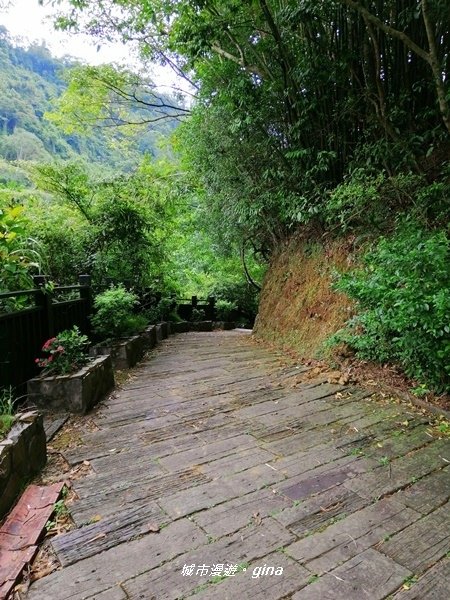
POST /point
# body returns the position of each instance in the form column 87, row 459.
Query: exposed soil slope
column 298, row 308
column 299, row 311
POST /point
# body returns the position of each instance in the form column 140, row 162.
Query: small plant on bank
column 114, row 316
column 67, row 352
column 6, row 411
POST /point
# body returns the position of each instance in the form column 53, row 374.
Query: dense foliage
column 97, row 199
column 18, row 256
column 403, row 296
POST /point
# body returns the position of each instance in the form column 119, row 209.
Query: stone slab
column 123, row 526
column 210, row 494
column 368, row 576
column 258, row 583
column 323, row 477
column 434, row 585
column 401, row 472
column 422, row 544
column 22, row 530
column 207, row 452
column 52, row 426
column 124, row 494
column 235, row 514
column 238, row 460
column 428, row 493
column 96, row 574
column 320, row 510
column 297, row 399
column 351, row 535
column 248, row 544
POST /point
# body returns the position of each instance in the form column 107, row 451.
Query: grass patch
column 6, row 422
column 6, row 411
column 409, row 582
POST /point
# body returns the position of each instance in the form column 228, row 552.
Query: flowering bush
column 67, row 353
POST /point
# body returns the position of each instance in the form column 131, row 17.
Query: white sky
column 26, row 22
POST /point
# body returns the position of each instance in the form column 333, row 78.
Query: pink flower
column 48, row 343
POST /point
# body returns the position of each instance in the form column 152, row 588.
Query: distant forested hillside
column 30, row 82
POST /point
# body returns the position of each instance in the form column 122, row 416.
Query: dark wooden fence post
column 194, row 301
column 44, row 301
column 212, row 308
column 86, row 295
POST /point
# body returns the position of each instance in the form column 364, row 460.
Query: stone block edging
column 23, row 453
column 77, row 392
column 125, row 353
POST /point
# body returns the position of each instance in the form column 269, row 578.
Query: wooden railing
column 185, row 308
column 23, row 332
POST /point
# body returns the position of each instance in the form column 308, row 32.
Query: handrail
column 68, row 302
column 34, row 291
column 68, row 288
column 48, row 312
column 19, row 293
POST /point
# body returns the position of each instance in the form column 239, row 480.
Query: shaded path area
column 213, row 476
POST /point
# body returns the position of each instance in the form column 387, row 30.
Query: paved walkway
column 215, row 478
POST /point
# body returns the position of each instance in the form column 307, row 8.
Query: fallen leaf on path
column 43, row 572
column 257, row 518
column 95, row 519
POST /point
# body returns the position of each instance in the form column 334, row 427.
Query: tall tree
column 293, row 95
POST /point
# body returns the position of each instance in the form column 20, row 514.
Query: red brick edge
column 22, row 531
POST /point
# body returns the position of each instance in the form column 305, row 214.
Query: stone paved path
column 207, row 461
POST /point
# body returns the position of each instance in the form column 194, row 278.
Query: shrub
column 165, row 310
column 403, row 296
column 114, row 315
column 242, row 294
column 68, row 351
column 225, row 310
column 367, row 203
column 18, row 256
column 198, row 314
